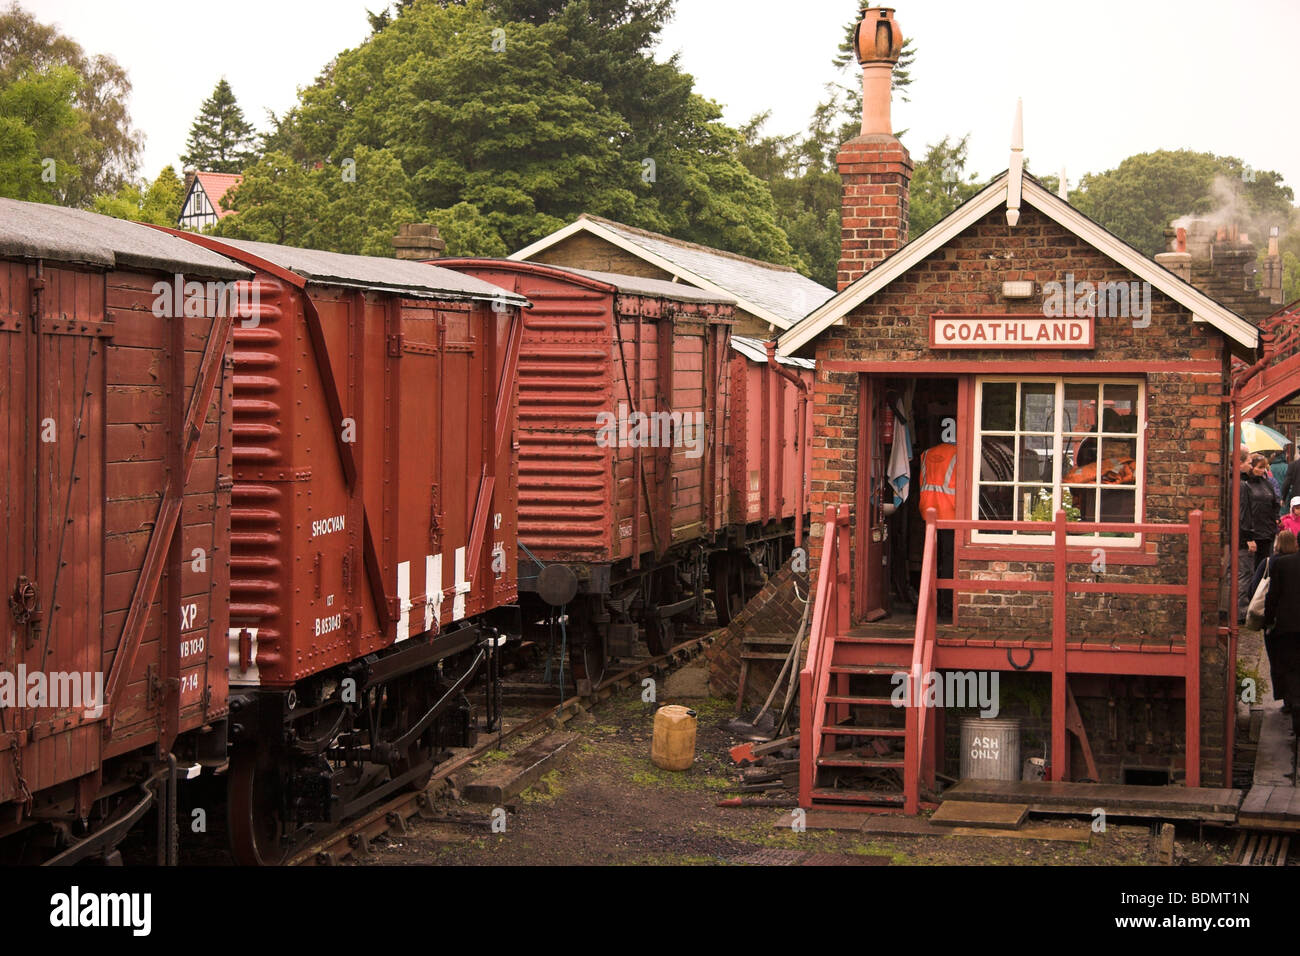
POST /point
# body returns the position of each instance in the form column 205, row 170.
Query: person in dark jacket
column 1284, row 544
column 1282, row 620
column 1291, row 479
column 1257, row 517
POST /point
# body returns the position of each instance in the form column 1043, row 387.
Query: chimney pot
column 418, row 240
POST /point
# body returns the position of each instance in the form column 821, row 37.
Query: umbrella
column 1262, row 438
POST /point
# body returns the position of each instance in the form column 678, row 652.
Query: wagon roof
column 605, row 281
column 774, row 293
column 754, row 350
column 31, row 230
column 404, row 276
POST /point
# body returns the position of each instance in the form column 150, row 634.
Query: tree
column 533, row 113
column 158, row 203
column 85, row 130
column 939, row 185
column 1139, row 198
column 221, row 140
column 355, row 205
column 36, row 118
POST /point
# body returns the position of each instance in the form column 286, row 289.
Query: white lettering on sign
column 326, row 526
column 326, row 625
column 192, row 647
column 189, row 682
column 188, row 613
column 1009, row 332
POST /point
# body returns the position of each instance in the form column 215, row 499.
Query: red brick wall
column 1184, row 437
column 874, row 176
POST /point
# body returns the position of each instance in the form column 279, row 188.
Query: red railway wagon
column 115, row 441
column 372, row 532
column 625, row 490
column 766, row 466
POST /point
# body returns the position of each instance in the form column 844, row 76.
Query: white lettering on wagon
column 327, row 525
column 327, row 625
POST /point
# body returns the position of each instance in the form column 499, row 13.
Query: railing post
column 842, row 623
column 1192, row 684
column 1060, row 577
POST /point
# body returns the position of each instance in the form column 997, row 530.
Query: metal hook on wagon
column 1028, row 664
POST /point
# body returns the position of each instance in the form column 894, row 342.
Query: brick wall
column 874, row 175
column 1184, row 437
column 775, row 610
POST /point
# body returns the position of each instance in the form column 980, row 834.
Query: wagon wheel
column 728, row 586
column 417, row 701
column 253, row 809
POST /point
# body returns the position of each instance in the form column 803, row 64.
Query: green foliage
column 467, row 231
column 59, row 104
column 221, row 140
column 939, row 185
column 1139, row 198
column 532, row 113
column 36, row 113
column 1042, row 509
column 158, row 203
column 353, row 206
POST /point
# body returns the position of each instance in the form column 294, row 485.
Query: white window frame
column 1019, row 538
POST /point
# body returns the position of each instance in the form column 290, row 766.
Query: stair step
column 864, row 701
column 849, row 730
column 768, row 639
column 853, row 760
column 882, row 669
column 907, row 641
column 857, row 796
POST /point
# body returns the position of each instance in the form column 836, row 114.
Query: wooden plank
column 1179, row 803
column 1278, row 802
column 1256, row 800
column 904, row 826
column 506, row 780
column 1055, row 834
column 963, row 813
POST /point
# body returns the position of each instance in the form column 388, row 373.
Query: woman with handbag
column 1281, row 592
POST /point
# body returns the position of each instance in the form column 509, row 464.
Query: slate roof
column 775, row 293
column 40, row 231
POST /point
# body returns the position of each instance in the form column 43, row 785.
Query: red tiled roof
column 215, row 186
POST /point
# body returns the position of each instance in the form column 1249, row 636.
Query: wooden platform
column 1273, row 802
column 1119, row 800
column 978, row 813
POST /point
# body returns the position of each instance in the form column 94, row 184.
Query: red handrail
column 814, row 678
column 927, row 613
column 1060, row 586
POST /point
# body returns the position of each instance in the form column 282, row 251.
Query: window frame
column 1059, row 438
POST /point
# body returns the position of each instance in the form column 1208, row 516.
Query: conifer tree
column 221, row 140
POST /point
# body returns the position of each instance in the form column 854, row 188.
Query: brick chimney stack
column 418, row 240
column 875, row 168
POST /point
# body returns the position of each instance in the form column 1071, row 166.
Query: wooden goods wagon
column 373, row 527
column 115, row 454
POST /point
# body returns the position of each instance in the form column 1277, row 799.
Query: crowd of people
column 1268, row 551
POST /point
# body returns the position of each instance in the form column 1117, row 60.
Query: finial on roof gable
column 1063, row 187
column 1015, row 174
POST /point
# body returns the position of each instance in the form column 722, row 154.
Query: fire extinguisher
column 887, row 425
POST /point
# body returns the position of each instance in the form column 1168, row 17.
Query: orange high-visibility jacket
column 939, row 481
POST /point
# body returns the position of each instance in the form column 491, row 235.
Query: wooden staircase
column 859, row 747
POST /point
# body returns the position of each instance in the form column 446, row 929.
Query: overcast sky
column 1101, row 79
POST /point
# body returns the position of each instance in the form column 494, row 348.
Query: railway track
column 393, row 815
